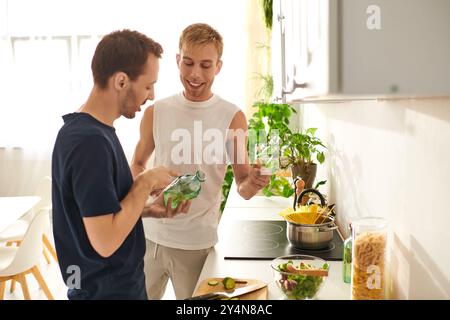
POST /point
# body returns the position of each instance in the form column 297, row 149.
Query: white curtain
column 46, row 47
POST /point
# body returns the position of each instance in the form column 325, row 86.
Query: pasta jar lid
column 370, row 223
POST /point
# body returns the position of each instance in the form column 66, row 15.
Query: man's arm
column 145, row 145
column 106, row 233
column 248, row 178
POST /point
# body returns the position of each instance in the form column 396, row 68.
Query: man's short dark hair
column 126, row 51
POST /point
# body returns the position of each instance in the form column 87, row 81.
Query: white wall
column 392, row 159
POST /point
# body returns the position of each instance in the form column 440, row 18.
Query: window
column 46, row 47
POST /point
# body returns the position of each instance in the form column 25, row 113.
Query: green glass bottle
column 184, row 187
column 347, row 258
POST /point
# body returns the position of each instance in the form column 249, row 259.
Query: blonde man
column 177, row 248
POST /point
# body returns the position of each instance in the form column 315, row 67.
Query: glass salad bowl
column 299, row 277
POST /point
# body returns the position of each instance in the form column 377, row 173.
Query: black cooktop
column 266, row 240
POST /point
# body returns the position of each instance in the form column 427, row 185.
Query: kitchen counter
column 262, row 208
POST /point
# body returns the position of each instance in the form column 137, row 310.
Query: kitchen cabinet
column 367, row 48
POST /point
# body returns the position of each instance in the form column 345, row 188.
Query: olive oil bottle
column 347, row 258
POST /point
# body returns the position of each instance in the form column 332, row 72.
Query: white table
column 13, row 208
column 262, row 208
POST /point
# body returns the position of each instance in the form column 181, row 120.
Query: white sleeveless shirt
column 185, row 133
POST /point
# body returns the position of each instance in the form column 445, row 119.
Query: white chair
column 17, row 262
column 15, row 232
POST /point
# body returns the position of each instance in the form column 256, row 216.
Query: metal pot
column 311, row 236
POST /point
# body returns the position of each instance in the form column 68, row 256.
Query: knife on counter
column 229, row 294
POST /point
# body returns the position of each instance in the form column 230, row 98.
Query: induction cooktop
column 266, row 240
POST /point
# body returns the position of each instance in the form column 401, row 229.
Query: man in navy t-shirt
column 97, row 207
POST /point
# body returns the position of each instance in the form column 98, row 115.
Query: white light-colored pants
column 182, row 266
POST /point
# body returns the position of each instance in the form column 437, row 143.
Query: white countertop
column 262, row 208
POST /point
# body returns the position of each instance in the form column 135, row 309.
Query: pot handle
column 328, row 229
column 300, row 196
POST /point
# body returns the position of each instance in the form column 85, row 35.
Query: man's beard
column 128, row 109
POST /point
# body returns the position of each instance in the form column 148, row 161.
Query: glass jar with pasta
column 369, row 259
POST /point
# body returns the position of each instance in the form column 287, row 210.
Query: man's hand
column 158, row 210
column 254, row 182
column 256, row 178
column 157, row 178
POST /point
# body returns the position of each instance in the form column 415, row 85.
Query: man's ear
column 218, row 67
column 120, row 80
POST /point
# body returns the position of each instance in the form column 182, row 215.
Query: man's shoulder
column 80, row 124
column 84, row 140
column 169, row 100
column 73, row 135
column 227, row 103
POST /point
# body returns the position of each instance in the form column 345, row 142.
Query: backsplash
column 392, row 159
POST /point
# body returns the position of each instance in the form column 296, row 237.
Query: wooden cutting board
column 205, row 288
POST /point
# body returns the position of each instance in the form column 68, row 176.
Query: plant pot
column 306, row 171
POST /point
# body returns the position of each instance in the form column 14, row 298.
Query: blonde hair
column 201, row 34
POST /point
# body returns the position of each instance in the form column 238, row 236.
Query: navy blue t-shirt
column 91, row 175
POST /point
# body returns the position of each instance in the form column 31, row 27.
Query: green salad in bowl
column 300, row 277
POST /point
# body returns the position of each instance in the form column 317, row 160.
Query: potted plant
column 299, row 150
column 264, row 125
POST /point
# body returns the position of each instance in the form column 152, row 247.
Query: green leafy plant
column 266, row 90
column 271, row 116
column 266, row 119
column 226, row 186
column 297, row 147
column 278, row 186
column 301, row 151
column 267, row 6
column 320, row 183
